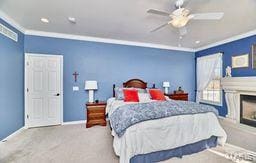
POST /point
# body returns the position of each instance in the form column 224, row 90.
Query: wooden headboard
column 135, row 83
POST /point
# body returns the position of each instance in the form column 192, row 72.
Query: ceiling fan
column 181, row 16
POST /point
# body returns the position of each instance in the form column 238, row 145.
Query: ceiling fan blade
column 159, row 27
column 157, row 12
column 183, row 31
column 207, row 16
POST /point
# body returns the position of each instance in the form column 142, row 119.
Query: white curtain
column 205, row 72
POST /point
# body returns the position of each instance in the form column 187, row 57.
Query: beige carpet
column 242, row 136
column 75, row 143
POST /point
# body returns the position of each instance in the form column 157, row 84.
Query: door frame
column 26, row 84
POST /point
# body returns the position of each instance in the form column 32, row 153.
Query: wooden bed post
column 114, row 86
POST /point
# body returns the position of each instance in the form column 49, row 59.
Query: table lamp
column 166, row 85
column 91, row 86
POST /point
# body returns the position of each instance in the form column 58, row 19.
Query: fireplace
column 248, row 110
column 234, row 87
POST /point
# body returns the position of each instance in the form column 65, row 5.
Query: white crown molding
column 16, row 25
column 12, row 22
column 105, row 40
column 228, row 40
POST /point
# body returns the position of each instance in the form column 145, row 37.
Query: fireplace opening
column 248, row 110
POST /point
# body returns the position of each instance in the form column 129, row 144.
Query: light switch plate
column 75, row 88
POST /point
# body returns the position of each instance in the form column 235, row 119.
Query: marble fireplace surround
column 233, row 88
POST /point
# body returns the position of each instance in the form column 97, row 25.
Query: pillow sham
column 144, row 97
column 157, row 94
column 131, row 95
column 119, row 94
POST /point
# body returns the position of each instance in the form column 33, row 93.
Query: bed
column 158, row 139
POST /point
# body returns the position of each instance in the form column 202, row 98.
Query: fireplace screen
column 248, row 110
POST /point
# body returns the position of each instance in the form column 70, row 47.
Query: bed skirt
column 176, row 152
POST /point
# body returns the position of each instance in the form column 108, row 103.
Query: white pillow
column 144, row 97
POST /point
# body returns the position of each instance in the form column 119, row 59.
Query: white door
column 43, row 90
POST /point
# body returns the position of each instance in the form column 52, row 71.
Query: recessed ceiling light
column 72, row 20
column 197, row 42
column 44, row 20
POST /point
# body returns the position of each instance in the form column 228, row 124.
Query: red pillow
column 131, row 95
column 157, row 94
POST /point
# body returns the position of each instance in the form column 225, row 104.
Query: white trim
column 233, row 88
column 12, row 22
column 13, row 134
column 25, row 84
column 221, row 90
column 239, row 84
column 16, row 25
column 24, row 128
column 105, row 40
column 228, row 40
column 25, row 91
column 25, row 31
column 74, row 122
column 61, row 88
column 9, row 33
column 213, row 103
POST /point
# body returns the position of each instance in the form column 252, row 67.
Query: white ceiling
column 128, row 20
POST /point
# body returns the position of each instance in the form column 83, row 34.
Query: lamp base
column 166, row 90
column 91, row 94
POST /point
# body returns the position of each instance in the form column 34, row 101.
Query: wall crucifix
column 75, row 74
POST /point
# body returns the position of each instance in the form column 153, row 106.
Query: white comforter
column 163, row 134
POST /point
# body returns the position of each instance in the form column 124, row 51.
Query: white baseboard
column 13, row 134
column 74, row 122
column 23, row 128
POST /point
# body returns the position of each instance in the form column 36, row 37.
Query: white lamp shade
column 91, row 85
column 166, row 84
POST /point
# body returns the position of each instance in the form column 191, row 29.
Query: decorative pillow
column 144, row 97
column 140, row 90
column 131, row 95
column 157, row 94
column 120, row 94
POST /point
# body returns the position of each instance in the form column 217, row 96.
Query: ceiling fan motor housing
column 179, row 3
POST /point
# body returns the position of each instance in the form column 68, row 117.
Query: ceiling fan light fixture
column 72, row 20
column 44, row 20
column 181, row 16
column 179, row 22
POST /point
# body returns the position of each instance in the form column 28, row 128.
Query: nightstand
column 96, row 114
column 178, row 96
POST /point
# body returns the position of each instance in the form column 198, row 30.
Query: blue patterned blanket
column 128, row 115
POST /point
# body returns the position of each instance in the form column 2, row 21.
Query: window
column 212, row 94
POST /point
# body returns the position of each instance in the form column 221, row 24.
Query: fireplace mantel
column 234, row 87
column 247, row 84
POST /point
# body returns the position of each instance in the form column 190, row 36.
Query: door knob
column 57, row 94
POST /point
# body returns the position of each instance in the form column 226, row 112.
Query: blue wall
column 238, row 47
column 109, row 64
column 11, row 83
